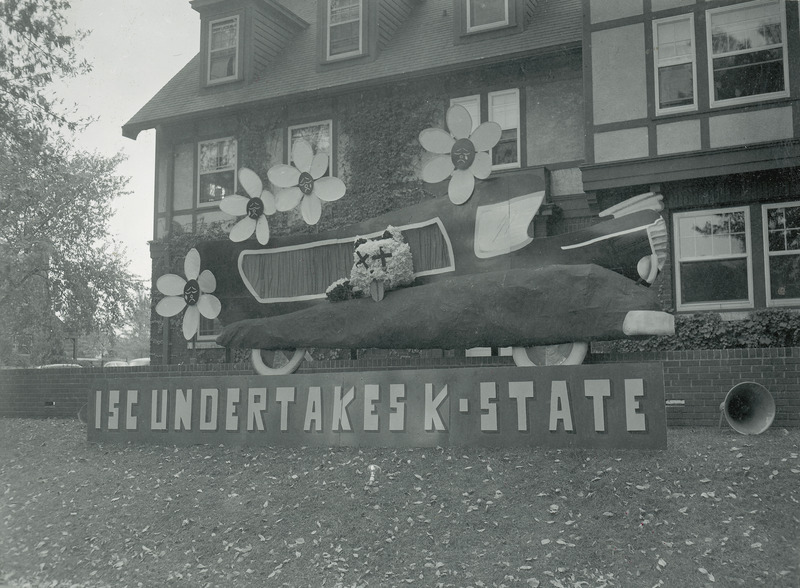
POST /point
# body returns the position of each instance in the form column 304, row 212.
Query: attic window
column 345, row 38
column 223, row 50
column 487, row 14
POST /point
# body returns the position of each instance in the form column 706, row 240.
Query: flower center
column 306, row 183
column 191, row 292
column 255, row 208
column 463, row 153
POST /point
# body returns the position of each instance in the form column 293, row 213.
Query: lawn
column 714, row 509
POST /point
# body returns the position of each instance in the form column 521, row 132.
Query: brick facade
column 700, row 379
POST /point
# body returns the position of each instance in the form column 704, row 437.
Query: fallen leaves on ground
column 709, row 511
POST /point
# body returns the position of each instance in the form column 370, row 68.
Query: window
column 713, row 264
column 502, row 108
column 23, row 343
column 223, row 50
column 216, row 170
column 209, row 329
column 344, row 28
column 318, row 134
column 747, row 52
column 486, row 14
column 782, row 247
column 674, row 55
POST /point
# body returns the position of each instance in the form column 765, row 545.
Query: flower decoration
column 385, row 259
column 303, row 183
column 461, row 154
column 255, row 207
column 193, row 293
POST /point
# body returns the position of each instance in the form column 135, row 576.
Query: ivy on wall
column 770, row 327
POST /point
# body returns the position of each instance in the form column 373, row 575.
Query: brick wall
column 700, row 380
column 695, row 382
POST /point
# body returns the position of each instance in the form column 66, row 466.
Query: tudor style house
column 698, row 100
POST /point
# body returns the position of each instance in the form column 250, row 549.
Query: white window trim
column 328, row 122
column 678, row 260
column 675, row 61
column 515, row 93
column 472, row 99
column 758, row 97
column 356, row 53
column 199, row 173
column 768, row 255
column 235, row 75
column 489, row 26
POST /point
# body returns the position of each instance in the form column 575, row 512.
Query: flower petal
column 243, row 229
column 191, row 264
column 329, row 189
column 209, row 306
column 459, row 121
column 170, row 285
column 436, row 140
column 486, row 136
column 268, row 198
column 319, row 165
column 170, row 306
column 262, row 230
column 283, row 176
column 481, row 168
column 288, row 198
column 207, row 282
column 461, row 186
column 191, row 322
column 250, row 182
column 302, row 155
column 234, row 205
column 311, row 207
column 437, row 169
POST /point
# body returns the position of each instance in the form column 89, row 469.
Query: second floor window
column 216, row 170
column 486, row 14
column 673, row 39
column 747, row 51
column 223, row 49
column 344, row 28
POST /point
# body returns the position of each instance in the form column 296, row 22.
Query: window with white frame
column 483, row 15
column 502, row 108
column 318, row 134
column 674, row 56
column 713, row 259
column 344, row 28
column 223, row 50
column 782, row 247
column 747, row 52
column 216, row 170
column 209, row 329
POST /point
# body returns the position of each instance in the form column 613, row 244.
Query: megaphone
column 749, row 408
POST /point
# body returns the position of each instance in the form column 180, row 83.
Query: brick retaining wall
column 695, row 381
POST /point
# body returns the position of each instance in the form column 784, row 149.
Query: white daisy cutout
column 255, row 207
column 193, row 293
column 303, row 183
column 461, row 153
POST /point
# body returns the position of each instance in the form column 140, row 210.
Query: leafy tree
column 35, row 49
column 59, row 268
column 134, row 339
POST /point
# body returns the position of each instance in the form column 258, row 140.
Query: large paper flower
column 193, row 293
column 303, row 183
column 459, row 154
column 255, row 207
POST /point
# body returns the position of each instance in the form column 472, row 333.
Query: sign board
column 590, row 406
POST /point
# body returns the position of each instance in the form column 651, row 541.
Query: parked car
column 115, row 363
column 139, row 361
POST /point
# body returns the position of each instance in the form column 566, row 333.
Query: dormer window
column 483, row 15
column 345, row 29
column 223, row 50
